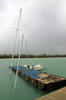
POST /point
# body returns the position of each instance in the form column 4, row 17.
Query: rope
column 6, row 52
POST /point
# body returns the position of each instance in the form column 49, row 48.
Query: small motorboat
column 37, row 67
column 28, row 66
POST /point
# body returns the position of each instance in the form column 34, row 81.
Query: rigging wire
column 8, row 48
column 22, row 44
column 15, row 41
column 8, row 43
column 17, row 48
column 15, row 19
column 18, row 62
column 6, row 52
column 35, row 48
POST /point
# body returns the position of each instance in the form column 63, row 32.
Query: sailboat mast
column 18, row 61
column 26, row 51
column 35, row 48
column 15, row 40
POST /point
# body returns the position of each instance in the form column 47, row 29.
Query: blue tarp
column 30, row 72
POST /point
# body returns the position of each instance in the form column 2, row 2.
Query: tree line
column 31, row 56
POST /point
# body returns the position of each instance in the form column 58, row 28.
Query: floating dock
column 57, row 95
column 42, row 80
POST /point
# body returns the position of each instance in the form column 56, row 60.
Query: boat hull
column 38, row 67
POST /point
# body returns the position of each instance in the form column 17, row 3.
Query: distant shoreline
column 32, row 56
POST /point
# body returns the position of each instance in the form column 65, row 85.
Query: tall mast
column 15, row 40
column 35, row 48
column 26, row 51
column 18, row 61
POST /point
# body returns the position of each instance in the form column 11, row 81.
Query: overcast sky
column 47, row 18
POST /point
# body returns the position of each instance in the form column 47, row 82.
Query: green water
column 25, row 90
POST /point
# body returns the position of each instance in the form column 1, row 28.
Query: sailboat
column 15, row 40
column 14, row 50
column 37, row 66
column 27, row 65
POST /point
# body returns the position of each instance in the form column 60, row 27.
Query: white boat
column 37, row 67
column 27, row 65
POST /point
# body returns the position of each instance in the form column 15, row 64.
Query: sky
column 43, row 23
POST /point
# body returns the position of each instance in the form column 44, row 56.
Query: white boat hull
column 38, row 67
column 28, row 66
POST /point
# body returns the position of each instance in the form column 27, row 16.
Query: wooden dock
column 57, row 95
column 42, row 80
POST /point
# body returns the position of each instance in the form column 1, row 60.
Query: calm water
column 25, row 90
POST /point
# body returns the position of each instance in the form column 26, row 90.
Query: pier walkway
column 56, row 95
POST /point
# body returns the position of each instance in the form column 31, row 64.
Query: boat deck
column 42, row 80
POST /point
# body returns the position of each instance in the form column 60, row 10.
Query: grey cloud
column 47, row 19
column 2, row 6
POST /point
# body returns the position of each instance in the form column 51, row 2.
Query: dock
column 57, row 95
column 42, row 80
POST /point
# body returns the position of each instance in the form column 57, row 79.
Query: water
column 25, row 90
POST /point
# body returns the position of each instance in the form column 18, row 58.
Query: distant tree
column 5, row 54
column 44, row 54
